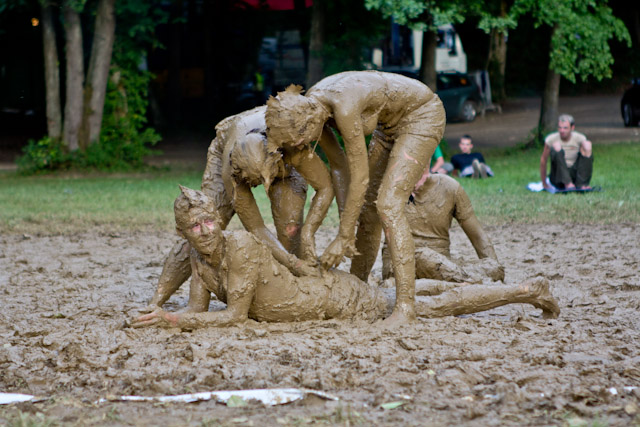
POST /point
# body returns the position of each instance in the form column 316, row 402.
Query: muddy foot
column 403, row 314
column 541, row 297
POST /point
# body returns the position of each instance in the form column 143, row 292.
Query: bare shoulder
column 445, row 182
column 240, row 241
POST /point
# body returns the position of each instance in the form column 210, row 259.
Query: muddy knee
column 292, row 230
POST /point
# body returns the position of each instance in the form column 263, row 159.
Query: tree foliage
column 124, row 137
column 424, row 15
column 580, row 42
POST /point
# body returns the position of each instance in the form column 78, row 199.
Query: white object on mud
column 269, row 397
column 6, row 398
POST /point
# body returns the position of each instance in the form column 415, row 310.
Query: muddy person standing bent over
column 408, row 120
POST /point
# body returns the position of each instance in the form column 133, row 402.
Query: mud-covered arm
column 543, row 165
column 247, row 209
column 356, row 153
column 471, row 226
column 315, row 172
column 242, row 279
column 338, row 165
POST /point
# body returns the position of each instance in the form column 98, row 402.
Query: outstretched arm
column 356, row 151
column 338, row 164
column 314, row 171
column 467, row 219
column 242, row 280
column 249, row 214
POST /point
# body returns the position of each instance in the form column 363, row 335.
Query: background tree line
column 109, row 65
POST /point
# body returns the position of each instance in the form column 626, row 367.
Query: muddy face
column 252, row 163
column 198, row 221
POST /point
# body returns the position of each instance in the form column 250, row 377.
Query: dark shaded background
column 211, row 50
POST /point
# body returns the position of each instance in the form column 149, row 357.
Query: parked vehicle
column 630, row 104
column 459, row 93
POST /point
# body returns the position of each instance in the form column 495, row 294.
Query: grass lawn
column 67, row 203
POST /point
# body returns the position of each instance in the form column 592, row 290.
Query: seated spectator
column 571, row 159
column 468, row 164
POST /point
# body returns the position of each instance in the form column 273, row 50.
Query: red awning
column 274, row 4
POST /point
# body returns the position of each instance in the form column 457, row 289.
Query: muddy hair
column 292, row 111
column 250, row 160
column 192, row 202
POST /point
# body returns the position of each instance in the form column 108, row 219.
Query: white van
column 450, row 55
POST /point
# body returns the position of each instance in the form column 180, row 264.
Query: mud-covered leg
column 433, row 265
column 288, row 197
column 175, row 272
column 409, row 157
column 369, row 225
column 478, row 270
column 472, row 299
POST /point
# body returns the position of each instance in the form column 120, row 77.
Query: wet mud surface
column 64, row 301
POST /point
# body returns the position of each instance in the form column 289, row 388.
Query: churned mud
column 64, row 301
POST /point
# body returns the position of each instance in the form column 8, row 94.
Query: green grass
column 113, row 203
column 504, row 199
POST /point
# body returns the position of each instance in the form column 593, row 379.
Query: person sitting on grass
column 435, row 201
column 468, row 164
column 242, row 272
column 571, row 157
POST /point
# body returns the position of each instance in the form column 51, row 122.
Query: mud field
column 65, row 299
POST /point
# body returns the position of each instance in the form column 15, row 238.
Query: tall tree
column 98, row 73
column 497, row 17
column 579, row 46
column 74, row 75
column 51, row 72
column 84, row 103
column 315, row 69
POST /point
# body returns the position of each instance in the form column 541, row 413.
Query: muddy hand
column 308, row 249
column 336, row 251
column 306, row 268
column 158, row 318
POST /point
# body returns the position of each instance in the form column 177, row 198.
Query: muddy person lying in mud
column 242, row 272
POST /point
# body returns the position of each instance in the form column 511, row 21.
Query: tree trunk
column 549, row 105
column 315, row 68
column 51, row 74
column 98, row 73
column 174, row 86
column 75, row 75
column 210, row 9
column 497, row 60
column 428, row 65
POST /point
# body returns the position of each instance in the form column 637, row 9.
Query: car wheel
column 627, row 115
column 469, row 111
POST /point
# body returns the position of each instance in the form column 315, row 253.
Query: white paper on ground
column 269, row 397
column 6, row 398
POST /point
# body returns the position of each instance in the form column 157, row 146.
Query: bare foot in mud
column 403, row 314
column 538, row 290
